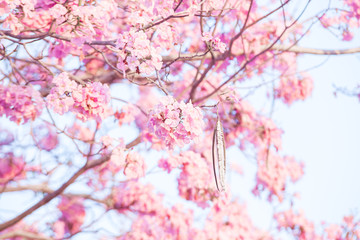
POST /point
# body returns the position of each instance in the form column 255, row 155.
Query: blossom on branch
column 176, row 123
column 87, row 102
column 20, row 103
column 274, row 173
column 73, row 215
column 11, row 168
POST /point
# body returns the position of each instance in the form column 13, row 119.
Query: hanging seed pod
column 219, row 156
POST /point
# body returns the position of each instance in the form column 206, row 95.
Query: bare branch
column 304, row 50
column 277, row 47
column 24, row 234
column 47, row 198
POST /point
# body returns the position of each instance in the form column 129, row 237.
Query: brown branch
column 276, row 47
column 23, row 234
column 202, row 77
column 304, row 50
column 54, row 35
column 44, row 188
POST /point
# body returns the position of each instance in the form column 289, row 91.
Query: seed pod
column 219, row 156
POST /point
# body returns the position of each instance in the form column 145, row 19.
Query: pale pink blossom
column 274, row 173
column 20, row 103
column 58, row 10
column 73, row 214
column 176, row 123
column 90, row 101
column 143, row 56
column 292, row 89
column 134, row 165
column 11, row 168
column 296, row 223
column 133, row 196
column 47, row 138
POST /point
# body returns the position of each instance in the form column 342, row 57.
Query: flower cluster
column 229, row 220
column 10, row 168
column 137, row 54
column 176, row 221
column 73, row 216
column 195, row 182
column 81, row 133
column 217, row 44
column 46, row 137
column 274, row 172
column 349, row 227
column 127, row 114
column 292, row 89
column 167, row 35
column 117, row 159
column 90, row 101
column 350, row 15
column 135, row 197
column 134, row 165
column 175, row 123
column 301, row 227
column 20, row 103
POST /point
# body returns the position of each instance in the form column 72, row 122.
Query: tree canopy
column 98, row 96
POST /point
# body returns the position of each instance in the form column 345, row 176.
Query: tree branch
column 44, row 188
column 47, row 198
column 304, row 50
column 276, row 47
column 23, row 234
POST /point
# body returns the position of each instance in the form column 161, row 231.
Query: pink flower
column 80, row 132
column 90, row 101
column 57, row 11
column 296, row 223
column 347, row 35
column 218, row 45
column 207, row 36
column 73, row 214
column 20, row 103
column 135, row 197
column 117, row 159
column 175, row 123
column 274, row 172
column 11, row 167
column 127, row 114
column 175, row 222
column 292, row 89
column 48, row 138
column 136, row 46
column 196, row 178
column 334, row 231
column 230, row 220
column 134, row 165
column 215, row 41
column 14, row 24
